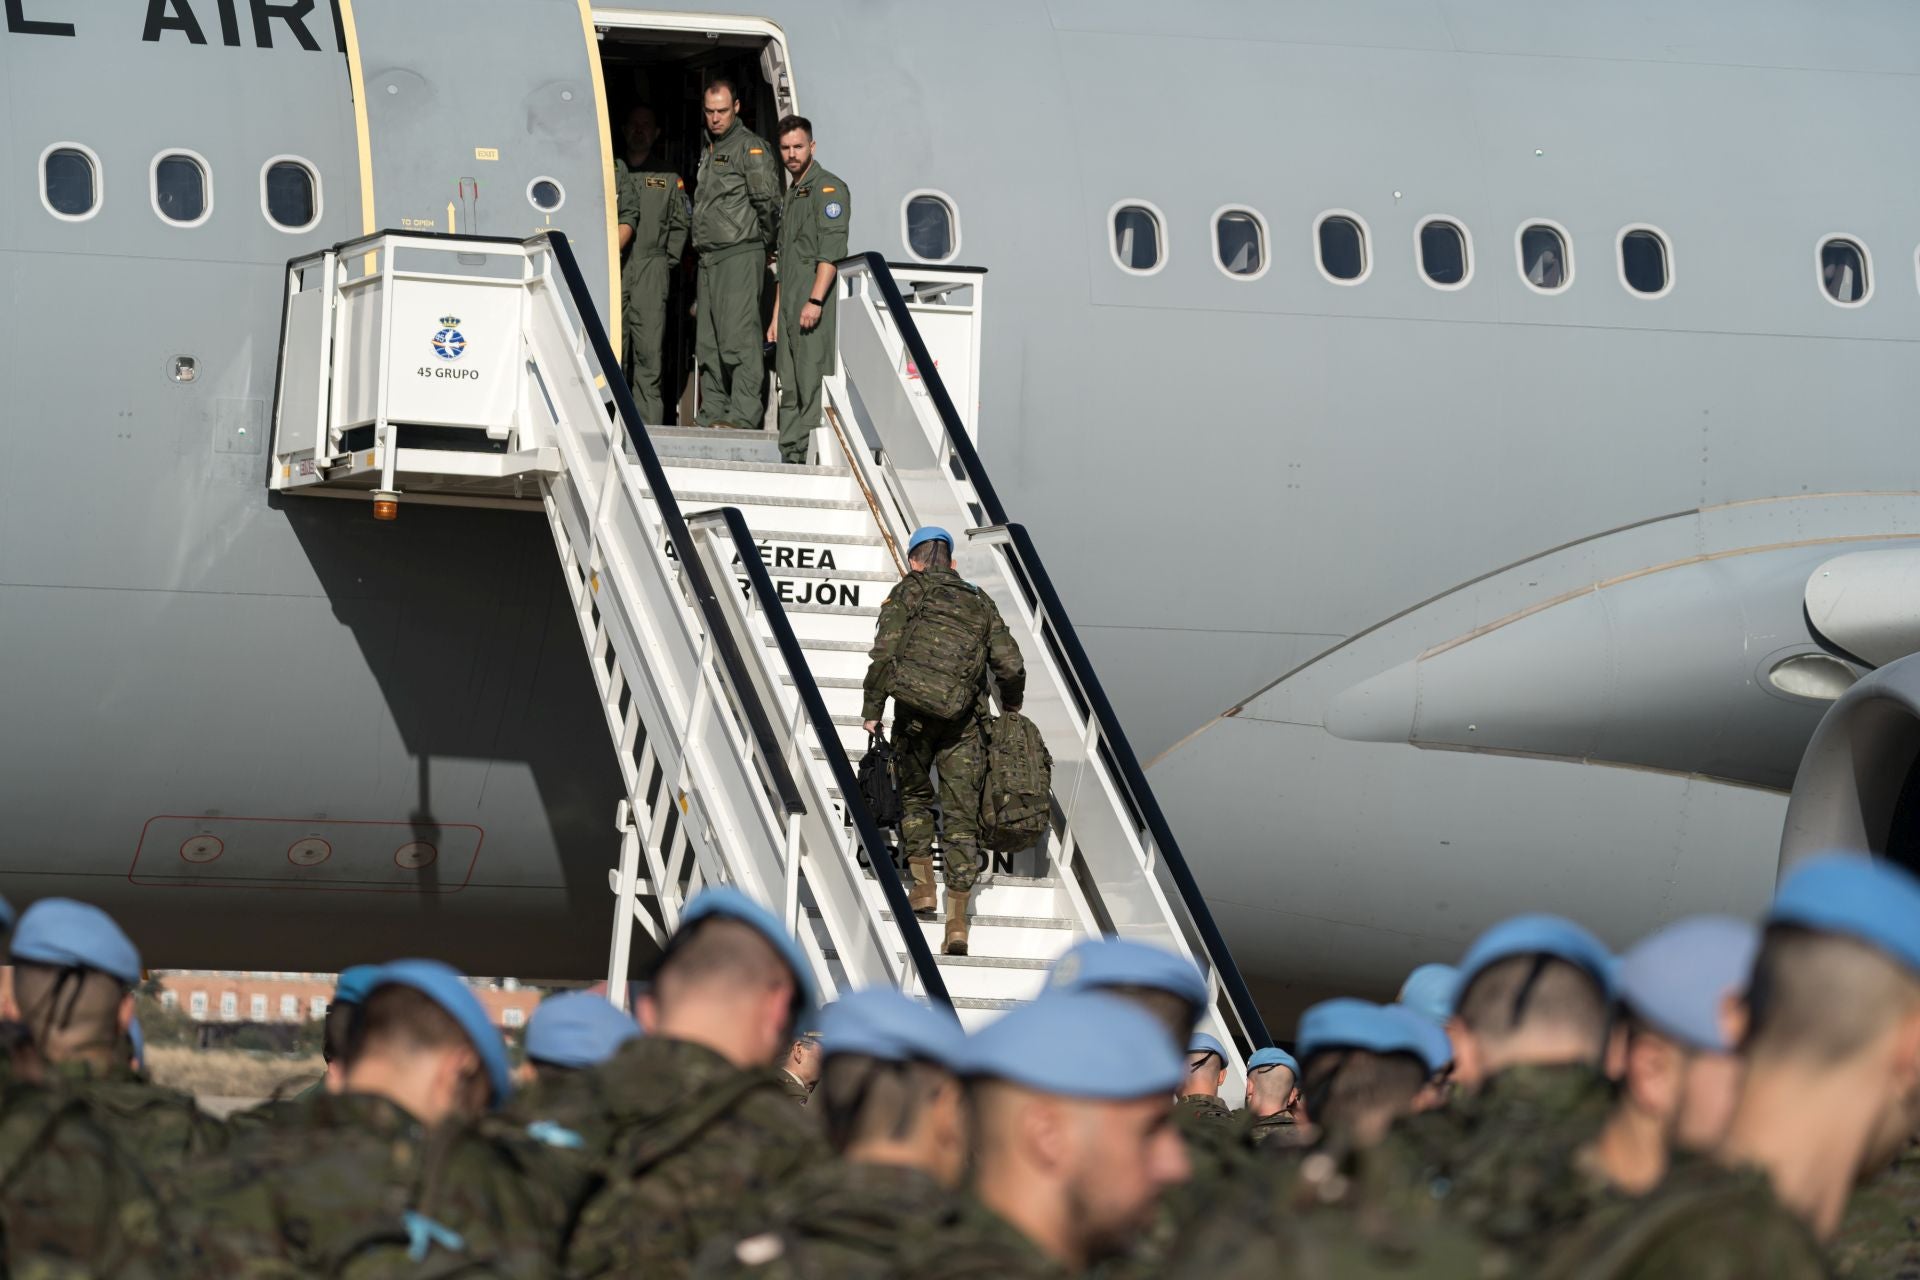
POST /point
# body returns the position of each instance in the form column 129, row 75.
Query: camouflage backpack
column 942, row 658
column 1016, row 805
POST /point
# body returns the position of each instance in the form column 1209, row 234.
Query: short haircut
column 336, row 1028
column 402, row 1022
column 717, row 951
column 867, row 1099
column 68, row 1009
column 1342, row 1085
column 1263, row 1082
column 1531, row 993
column 721, row 82
column 1820, row 998
column 791, row 124
column 932, row 554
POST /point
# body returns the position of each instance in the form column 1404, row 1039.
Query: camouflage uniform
column 696, row 1146
column 72, row 1202
column 1880, row 1236
column 844, row 1220
column 978, row 1244
column 1277, row 1130
column 1703, row 1222
column 355, row 1186
column 158, row 1127
column 796, row 1090
column 1221, row 1159
column 957, row 748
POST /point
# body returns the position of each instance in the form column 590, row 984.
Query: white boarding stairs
column 727, row 601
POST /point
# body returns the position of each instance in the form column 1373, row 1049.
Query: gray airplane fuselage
column 1425, row 604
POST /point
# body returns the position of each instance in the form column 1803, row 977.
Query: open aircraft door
column 484, row 117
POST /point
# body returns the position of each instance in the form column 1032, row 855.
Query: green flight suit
column 813, row 230
column 843, row 1220
column 1880, row 1236
column 158, row 1127
column 696, row 1151
column 355, row 1186
column 736, row 216
column 957, row 748
column 653, row 201
column 978, row 1244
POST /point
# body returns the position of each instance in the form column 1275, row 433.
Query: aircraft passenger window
column 291, row 195
column 1343, row 249
column 180, row 189
column 1241, row 241
column 1136, row 237
column 545, row 194
column 930, row 228
column 1544, row 261
column 1843, row 272
column 1443, row 253
column 1643, row 261
column 68, row 175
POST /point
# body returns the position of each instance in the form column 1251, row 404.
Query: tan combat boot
column 956, row 943
column 922, row 895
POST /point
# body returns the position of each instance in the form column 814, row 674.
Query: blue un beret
column 1675, row 978
column 882, row 1023
column 1428, row 991
column 1204, row 1043
column 1271, row 1057
column 352, row 985
column 1538, row 935
column 577, row 1029
column 928, row 533
column 1852, row 895
column 443, row 985
column 1078, row 1045
column 727, row 902
column 1098, row 963
column 1375, row 1028
column 1431, row 1044
column 69, row 934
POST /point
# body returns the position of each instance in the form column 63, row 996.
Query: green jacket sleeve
column 679, row 220
column 1003, row 657
column 627, row 195
column 886, row 640
column 835, row 211
column 763, row 192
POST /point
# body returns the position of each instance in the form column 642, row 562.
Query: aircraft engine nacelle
column 1859, row 783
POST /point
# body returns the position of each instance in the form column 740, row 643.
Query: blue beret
column 352, row 985
column 1674, row 979
column 1204, row 1043
column 928, row 533
column 1078, row 1045
column 729, row 903
column 69, row 934
column 1116, row 962
column 1361, row 1024
column 1428, row 991
column 443, row 985
column 1533, row 936
column 1848, row 894
column 577, row 1029
column 1270, row 1057
column 882, row 1023
column 139, row 1038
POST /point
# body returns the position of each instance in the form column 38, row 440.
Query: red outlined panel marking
column 323, row 855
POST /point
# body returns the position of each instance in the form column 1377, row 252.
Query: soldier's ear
column 648, row 1010
column 126, row 1012
column 1734, row 1018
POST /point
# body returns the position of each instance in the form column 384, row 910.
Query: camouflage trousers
column 957, row 749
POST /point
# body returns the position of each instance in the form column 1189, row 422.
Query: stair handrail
column 820, row 721
column 1132, row 776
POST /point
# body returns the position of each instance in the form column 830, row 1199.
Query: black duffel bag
column 879, row 783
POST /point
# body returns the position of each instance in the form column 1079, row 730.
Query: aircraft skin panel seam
column 362, row 134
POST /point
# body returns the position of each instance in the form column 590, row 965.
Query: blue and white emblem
column 448, row 341
column 833, row 209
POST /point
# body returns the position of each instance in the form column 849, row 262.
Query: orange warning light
column 386, row 505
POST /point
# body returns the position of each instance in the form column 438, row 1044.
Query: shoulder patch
column 758, row 1251
column 833, row 209
column 825, row 190
column 553, row 1135
column 680, row 184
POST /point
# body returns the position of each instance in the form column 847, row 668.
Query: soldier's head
column 930, row 547
column 803, row 1059
column 890, row 1092
column 1165, row 985
column 349, row 992
column 1074, row 1138
column 74, row 971
column 731, row 979
column 423, row 1041
column 721, row 106
column 1364, row 1066
column 1533, row 991
column 1273, row 1082
column 795, row 139
column 1671, row 1049
column 572, row 1031
column 642, row 130
column 1206, row 1067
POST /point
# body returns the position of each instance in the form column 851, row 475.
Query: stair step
column 703, row 500
column 831, row 646
column 989, row 962
column 831, row 682
column 702, row 442
column 978, row 1002
column 754, row 481
column 762, row 468
column 806, row 518
column 999, row 922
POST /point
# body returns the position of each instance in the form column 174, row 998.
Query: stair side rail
column 1115, row 853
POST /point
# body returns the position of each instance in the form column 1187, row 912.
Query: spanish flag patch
column 824, row 190
column 753, row 151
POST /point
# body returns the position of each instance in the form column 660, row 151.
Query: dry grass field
column 230, row 1073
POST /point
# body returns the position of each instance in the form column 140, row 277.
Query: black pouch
column 879, row 785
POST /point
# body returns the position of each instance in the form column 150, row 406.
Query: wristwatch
column 818, row 302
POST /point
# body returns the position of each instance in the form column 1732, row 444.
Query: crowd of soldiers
column 741, row 219
column 1725, row 1099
